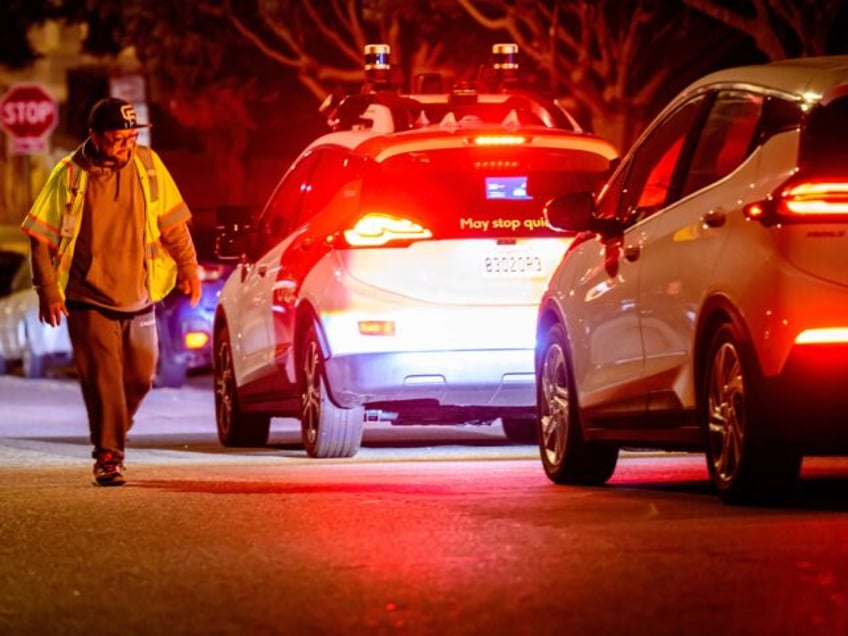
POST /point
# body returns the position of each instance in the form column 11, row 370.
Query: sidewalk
column 54, row 407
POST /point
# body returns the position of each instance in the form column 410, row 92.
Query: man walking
column 109, row 238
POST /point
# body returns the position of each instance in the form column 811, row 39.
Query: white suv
column 706, row 305
column 396, row 276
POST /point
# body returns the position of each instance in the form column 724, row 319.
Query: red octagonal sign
column 28, row 111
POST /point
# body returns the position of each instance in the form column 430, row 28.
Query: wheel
column 235, row 427
column 328, row 430
column 566, row 457
column 744, row 465
column 520, row 430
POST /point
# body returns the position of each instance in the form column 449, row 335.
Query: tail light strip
column 811, row 199
column 375, row 229
column 803, row 201
column 831, row 335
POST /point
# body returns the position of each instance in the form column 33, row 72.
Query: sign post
column 28, row 114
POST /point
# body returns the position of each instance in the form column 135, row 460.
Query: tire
column 744, row 465
column 520, row 430
column 235, row 428
column 566, row 457
column 327, row 429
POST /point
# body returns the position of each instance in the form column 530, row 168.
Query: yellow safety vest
column 56, row 215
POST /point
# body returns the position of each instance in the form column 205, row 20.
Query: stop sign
column 28, row 111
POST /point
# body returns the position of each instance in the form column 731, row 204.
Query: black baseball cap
column 113, row 113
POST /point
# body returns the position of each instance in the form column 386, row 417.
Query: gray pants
column 115, row 356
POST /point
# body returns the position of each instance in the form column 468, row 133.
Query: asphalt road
column 423, row 532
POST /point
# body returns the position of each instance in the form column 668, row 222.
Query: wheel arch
column 220, row 322
column 716, row 311
column 307, row 315
column 548, row 316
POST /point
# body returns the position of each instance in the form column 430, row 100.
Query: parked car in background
column 185, row 332
column 24, row 340
column 13, row 250
column 706, row 307
column 394, row 275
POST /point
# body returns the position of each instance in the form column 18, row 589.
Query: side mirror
column 575, row 213
column 570, row 212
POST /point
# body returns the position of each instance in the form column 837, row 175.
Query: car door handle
column 632, row 252
column 264, row 270
column 714, row 218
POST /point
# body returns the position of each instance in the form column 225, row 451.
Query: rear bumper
column 807, row 404
column 492, row 378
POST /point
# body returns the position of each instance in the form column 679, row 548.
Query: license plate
column 513, row 265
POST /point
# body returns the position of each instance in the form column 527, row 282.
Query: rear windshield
column 825, row 146
column 478, row 192
column 528, row 111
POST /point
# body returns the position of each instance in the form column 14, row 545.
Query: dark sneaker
column 108, row 471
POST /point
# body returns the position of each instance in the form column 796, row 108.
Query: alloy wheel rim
column 311, row 404
column 726, row 412
column 224, row 387
column 555, row 405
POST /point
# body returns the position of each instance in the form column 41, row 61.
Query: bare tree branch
column 603, row 54
column 350, row 23
column 810, row 22
column 224, row 11
column 757, row 27
column 323, row 40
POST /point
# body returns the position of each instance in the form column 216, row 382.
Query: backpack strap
column 74, row 178
column 67, row 220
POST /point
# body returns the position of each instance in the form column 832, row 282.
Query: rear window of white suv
column 477, row 192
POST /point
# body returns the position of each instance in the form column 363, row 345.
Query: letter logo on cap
column 128, row 113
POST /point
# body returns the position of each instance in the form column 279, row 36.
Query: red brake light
column 808, row 199
column 375, row 230
column 803, row 201
column 500, row 140
column 831, row 335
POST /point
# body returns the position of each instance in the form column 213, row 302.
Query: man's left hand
column 190, row 285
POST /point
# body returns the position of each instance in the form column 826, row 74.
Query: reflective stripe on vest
column 147, row 160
